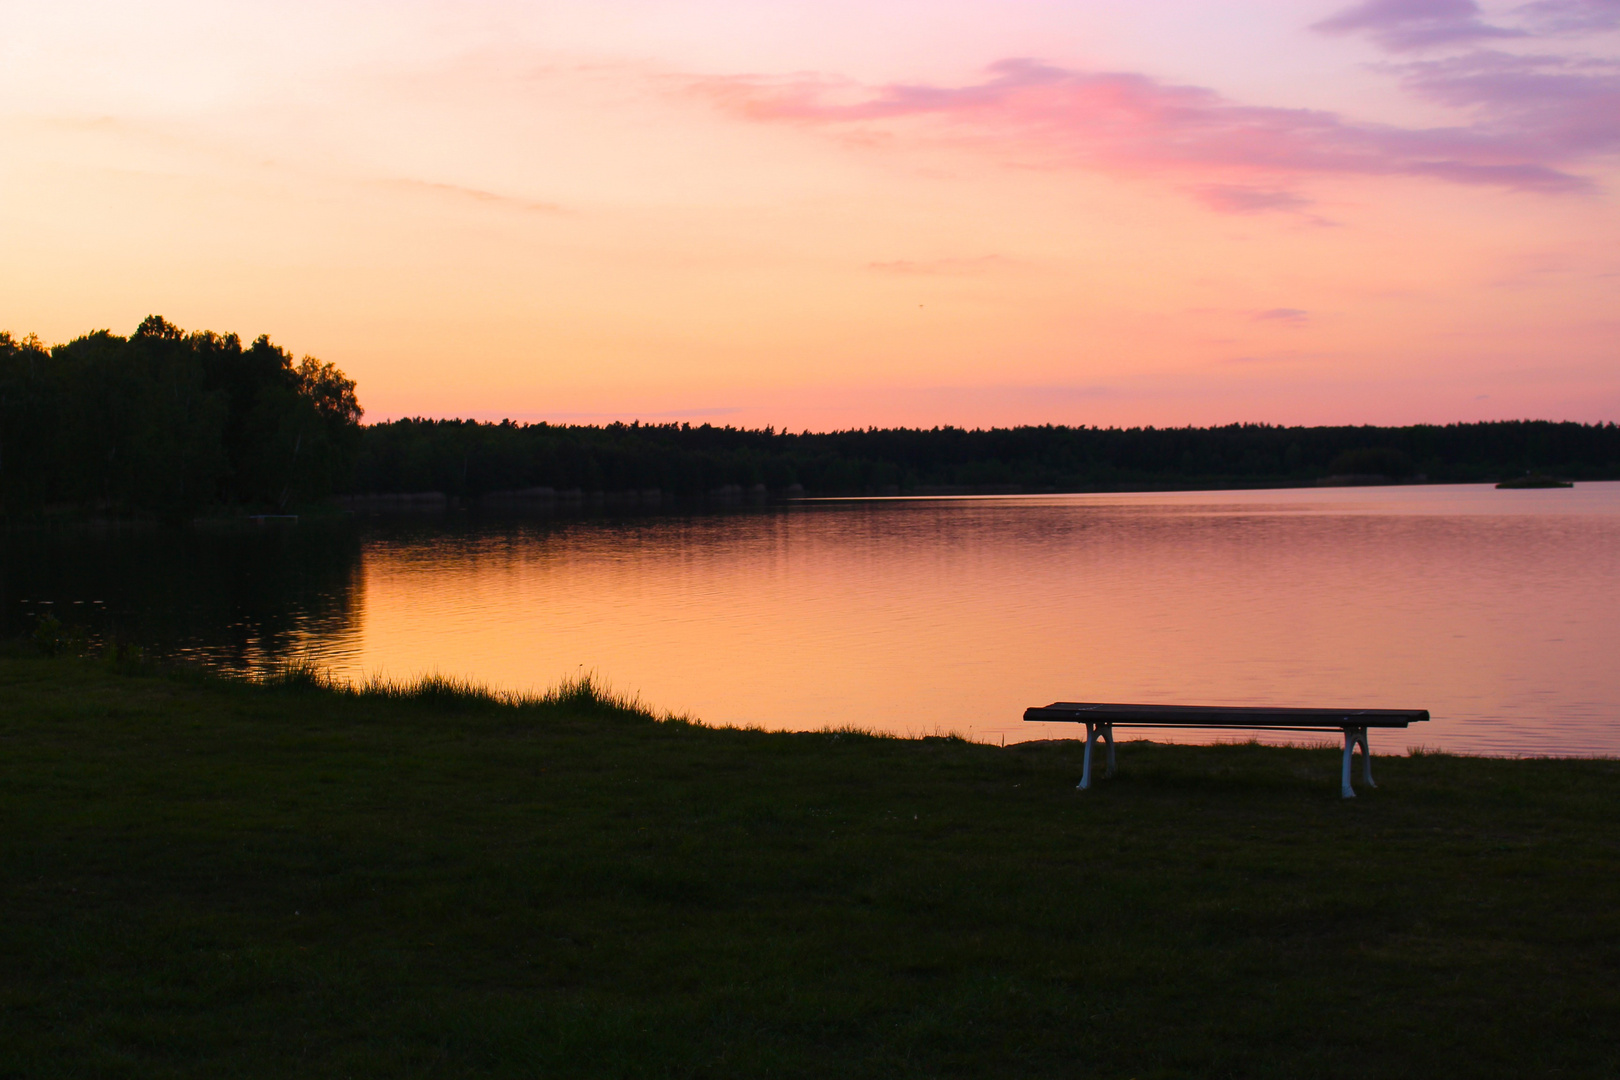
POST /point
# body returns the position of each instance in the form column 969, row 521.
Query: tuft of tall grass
column 579, row 694
column 853, row 732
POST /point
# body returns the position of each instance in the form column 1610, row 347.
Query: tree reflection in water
column 240, row 597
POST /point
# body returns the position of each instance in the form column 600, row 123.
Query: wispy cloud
column 1289, row 356
column 1402, row 25
column 177, row 145
column 1410, row 25
column 1571, row 16
column 951, row 267
column 1283, row 315
column 1528, row 125
column 491, row 198
column 1552, row 108
column 1237, row 199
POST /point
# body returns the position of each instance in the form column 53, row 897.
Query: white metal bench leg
column 1344, row 774
column 1085, row 771
column 1092, row 731
column 1353, row 737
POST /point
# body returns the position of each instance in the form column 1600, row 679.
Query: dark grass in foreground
column 203, row 878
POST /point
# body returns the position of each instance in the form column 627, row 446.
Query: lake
column 1499, row 611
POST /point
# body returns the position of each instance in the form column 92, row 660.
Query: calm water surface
column 1495, row 610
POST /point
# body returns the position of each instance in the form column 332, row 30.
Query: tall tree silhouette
column 169, row 422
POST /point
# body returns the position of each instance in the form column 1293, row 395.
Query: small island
column 1535, row 481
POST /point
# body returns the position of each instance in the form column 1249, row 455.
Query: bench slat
column 1208, row 716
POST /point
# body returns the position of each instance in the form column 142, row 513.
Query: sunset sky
column 833, row 214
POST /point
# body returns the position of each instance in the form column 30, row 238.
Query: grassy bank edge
column 588, row 694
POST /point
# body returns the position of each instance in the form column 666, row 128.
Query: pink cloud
column 1528, row 126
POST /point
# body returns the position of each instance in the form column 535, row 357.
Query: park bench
column 1100, row 721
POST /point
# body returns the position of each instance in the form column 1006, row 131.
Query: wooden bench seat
column 1101, row 719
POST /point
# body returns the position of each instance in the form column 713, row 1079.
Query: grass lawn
column 200, row 878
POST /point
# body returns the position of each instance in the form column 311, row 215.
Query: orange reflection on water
column 1493, row 609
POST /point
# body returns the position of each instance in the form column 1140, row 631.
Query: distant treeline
column 172, row 423
column 469, row 459
column 168, row 422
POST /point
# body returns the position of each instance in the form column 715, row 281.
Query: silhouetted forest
column 467, row 459
column 169, row 422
